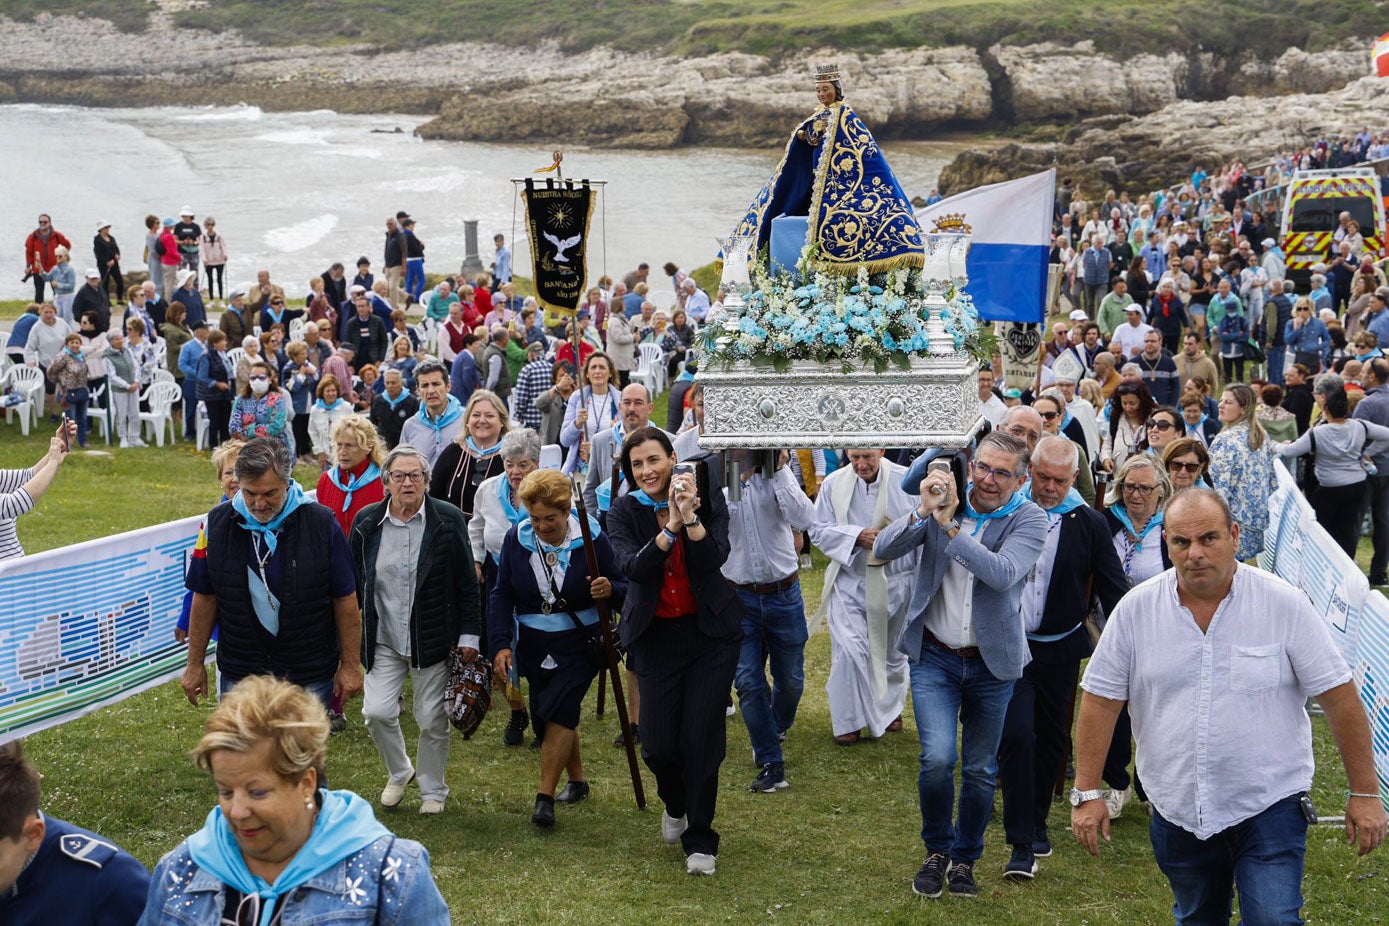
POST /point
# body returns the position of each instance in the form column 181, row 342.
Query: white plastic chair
column 201, row 424
column 162, row 376
column 234, row 357
column 162, row 397
column 104, row 413
column 662, row 298
column 296, row 329
column 24, row 408
column 650, row 368
column 551, row 456
column 28, row 381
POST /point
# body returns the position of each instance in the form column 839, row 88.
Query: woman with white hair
column 251, row 347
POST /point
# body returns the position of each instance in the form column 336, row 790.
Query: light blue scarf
column 345, row 825
column 360, row 481
column 267, row 605
column 1123, row 516
column 478, row 450
column 1070, row 503
column 1015, row 501
column 328, row 408
column 648, row 501
column 404, row 394
column 1197, row 430
column 276, row 317
column 685, row 377
column 514, row 514
column 452, row 412
column 525, row 535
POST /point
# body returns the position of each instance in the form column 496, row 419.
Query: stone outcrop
column 485, row 92
column 1143, row 152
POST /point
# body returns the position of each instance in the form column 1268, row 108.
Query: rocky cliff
column 602, row 97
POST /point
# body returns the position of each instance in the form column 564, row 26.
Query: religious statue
column 835, row 176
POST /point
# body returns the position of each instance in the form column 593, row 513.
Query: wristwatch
column 693, row 522
column 1079, row 797
column 954, row 525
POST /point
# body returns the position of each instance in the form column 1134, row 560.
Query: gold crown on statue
column 951, row 223
column 826, row 72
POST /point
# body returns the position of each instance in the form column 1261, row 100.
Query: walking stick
column 602, row 693
column 605, row 622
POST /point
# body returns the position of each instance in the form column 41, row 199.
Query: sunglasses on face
column 1159, row 424
column 1049, row 416
column 258, row 378
column 1192, row 468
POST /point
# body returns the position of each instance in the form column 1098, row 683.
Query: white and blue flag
column 1011, row 226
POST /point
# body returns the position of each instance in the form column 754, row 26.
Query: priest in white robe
column 864, row 602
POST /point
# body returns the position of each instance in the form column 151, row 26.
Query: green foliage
column 772, row 27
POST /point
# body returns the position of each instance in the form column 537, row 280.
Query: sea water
column 294, row 192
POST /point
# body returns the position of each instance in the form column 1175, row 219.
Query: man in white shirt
column 1130, row 335
column 990, row 405
column 865, row 599
column 763, row 527
column 1199, row 652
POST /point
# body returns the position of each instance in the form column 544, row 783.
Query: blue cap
column 169, row 222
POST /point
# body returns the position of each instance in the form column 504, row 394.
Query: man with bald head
column 1078, row 563
column 1232, row 813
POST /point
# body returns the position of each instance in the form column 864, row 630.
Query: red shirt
column 331, row 497
column 677, row 597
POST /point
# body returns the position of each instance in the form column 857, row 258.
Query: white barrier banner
column 88, row 625
column 1372, row 680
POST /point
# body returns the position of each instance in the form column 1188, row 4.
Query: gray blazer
column 1000, row 558
column 602, row 454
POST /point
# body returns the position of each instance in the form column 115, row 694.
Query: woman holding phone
column 682, row 621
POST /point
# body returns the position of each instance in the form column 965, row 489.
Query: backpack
column 159, row 247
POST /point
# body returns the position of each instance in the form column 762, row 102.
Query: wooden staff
column 578, row 489
column 605, row 622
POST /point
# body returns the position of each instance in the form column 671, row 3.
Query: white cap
column 186, row 210
column 356, row 288
column 102, row 224
column 93, row 274
column 1078, row 315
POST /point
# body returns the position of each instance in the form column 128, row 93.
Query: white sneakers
column 701, row 863
column 431, row 807
column 393, row 794
column 672, row 829
column 1115, row 801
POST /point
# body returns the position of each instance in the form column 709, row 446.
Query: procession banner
column 557, row 218
column 1011, row 226
column 88, row 625
column 1020, row 346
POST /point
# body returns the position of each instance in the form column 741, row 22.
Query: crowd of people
column 1128, row 481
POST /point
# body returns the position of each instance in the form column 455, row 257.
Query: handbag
column 595, row 650
column 468, row 692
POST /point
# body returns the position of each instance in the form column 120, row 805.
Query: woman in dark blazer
column 543, row 613
column 682, row 623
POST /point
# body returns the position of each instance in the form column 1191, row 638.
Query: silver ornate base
column 814, row 405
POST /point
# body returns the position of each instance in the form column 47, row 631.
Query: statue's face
column 824, row 92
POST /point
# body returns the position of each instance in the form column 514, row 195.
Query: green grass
column 839, row 846
column 774, row 27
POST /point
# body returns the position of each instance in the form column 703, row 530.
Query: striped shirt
column 14, row 501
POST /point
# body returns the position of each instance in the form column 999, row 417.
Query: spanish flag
column 1380, row 55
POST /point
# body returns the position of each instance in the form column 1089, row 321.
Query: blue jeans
column 773, row 629
column 414, row 277
column 1276, row 357
column 77, row 411
column 1261, row 857
column 948, row 690
column 323, row 690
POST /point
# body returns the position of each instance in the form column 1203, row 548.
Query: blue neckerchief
column 514, row 514
column 1195, row 430
column 326, row 407
column 1070, row 503
column 344, row 825
column 1066, row 419
column 267, row 606
column 275, row 317
column 80, row 355
column 404, row 394
column 1015, row 501
column 478, row 450
column 525, row 535
column 1123, row 516
column 452, row 412
column 360, row 481
column 685, row 377
column 648, row 501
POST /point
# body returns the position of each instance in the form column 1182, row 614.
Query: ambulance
column 1311, row 214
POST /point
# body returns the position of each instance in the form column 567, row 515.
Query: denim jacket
column 387, row 883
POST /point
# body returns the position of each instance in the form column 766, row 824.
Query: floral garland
column 864, row 320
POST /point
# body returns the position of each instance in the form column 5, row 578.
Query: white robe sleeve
column 837, row 541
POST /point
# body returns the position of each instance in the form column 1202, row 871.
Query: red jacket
column 38, row 251
column 170, row 256
column 331, row 497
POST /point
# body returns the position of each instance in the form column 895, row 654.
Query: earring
column 309, row 805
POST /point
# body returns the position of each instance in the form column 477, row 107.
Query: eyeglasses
column 276, row 302
column 982, row 472
column 1192, row 468
column 1159, row 424
column 1049, row 416
column 258, row 378
column 402, row 478
column 1140, row 491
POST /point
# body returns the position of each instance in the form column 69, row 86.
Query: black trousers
column 218, row 423
column 1338, row 509
column 1036, row 733
column 684, row 678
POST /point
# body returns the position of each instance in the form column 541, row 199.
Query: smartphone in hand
column 67, row 440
